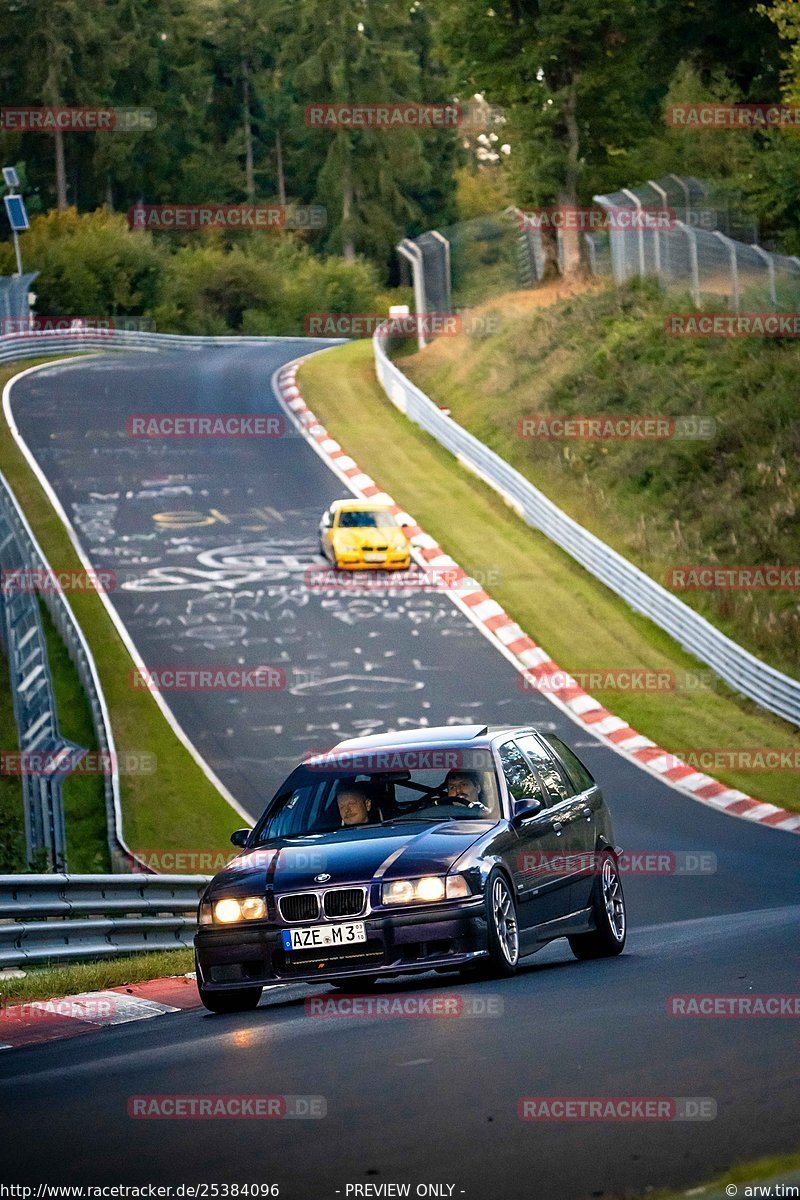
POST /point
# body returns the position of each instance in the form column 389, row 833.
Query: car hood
column 354, row 539
column 355, row 855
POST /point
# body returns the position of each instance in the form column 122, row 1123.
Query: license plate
column 373, row 556
column 309, row 937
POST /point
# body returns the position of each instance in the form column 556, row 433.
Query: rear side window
column 554, row 779
column 521, row 781
column 577, row 771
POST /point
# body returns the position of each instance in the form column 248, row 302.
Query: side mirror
column 240, row 836
column 524, row 809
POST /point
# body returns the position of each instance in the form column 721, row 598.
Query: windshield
column 337, row 795
column 366, row 520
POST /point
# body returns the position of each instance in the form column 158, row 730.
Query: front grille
column 370, row 549
column 344, row 902
column 303, row 906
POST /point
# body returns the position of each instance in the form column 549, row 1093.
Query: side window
column 577, row 771
column 554, row 781
column 521, row 781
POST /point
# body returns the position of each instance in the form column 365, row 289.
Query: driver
column 354, row 805
column 464, row 787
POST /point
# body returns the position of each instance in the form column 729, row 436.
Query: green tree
column 568, row 73
column 351, row 51
column 52, row 52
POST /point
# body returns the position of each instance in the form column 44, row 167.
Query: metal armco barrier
column 40, row 344
column 740, row 670
column 70, row 917
column 35, row 714
column 34, row 707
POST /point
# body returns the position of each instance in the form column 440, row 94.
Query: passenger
column 354, row 805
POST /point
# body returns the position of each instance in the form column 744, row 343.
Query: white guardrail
column 42, row 343
column 61, row 918
column 741, row 670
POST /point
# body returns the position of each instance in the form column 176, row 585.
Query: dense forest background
column 573, row 92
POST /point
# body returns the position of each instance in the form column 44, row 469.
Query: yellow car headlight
column 426, row 890
column 229, row 910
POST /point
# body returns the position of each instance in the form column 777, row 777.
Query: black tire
column 242, row 1000
column 502, row 925
column 608, row 903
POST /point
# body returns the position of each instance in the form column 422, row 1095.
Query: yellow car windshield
column 366, row 520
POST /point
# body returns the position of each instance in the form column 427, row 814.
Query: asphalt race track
column 210, row 541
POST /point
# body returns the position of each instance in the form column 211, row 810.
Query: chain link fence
column 676, row 229
column 695, row 241
column 465, row 264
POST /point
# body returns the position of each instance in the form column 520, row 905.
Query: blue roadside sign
column 17, row 214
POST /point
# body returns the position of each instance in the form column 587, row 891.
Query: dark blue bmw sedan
column 461, row 848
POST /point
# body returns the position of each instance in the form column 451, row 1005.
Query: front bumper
column 392, row 562
column 397, row 943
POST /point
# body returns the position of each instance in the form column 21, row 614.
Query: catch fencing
column 701, row 243
column 63, row 918
column 741, row 670
column 701, row 249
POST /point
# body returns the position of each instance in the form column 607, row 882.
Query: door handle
column 586, row 811
column 558, row 828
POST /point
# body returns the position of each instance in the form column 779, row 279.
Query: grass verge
column 177, row 806
column 778, row 1168
column 47, row 983
column 727, row 497
column 581, row 624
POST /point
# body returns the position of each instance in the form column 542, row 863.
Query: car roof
column 431, row 737
column 360, row 505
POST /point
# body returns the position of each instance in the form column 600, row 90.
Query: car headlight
column 229, row 910
column 205, row 915
column 425, row 890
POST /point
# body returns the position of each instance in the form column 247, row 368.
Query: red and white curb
column 34, row 1021
column 531, row 660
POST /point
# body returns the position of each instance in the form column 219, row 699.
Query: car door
column 535, row 860
column 589, row 802
column 570, row 808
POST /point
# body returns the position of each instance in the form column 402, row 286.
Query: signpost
column 15, row 211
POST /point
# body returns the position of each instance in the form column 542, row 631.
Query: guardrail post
column 657, row 240
column 632, row 196
column 768, row 259
column 726, row 241
column 447, row 271
column 413, row 255
column 694, row 264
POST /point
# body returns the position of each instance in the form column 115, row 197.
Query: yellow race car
column 358, row 535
